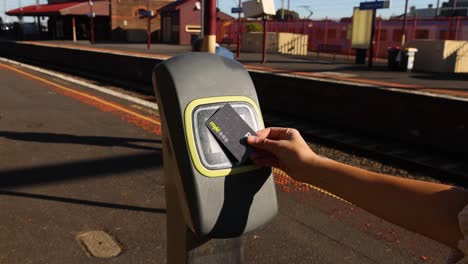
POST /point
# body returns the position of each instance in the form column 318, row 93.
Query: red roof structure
column 100, row 8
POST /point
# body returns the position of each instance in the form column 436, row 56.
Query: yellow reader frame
column 188, row 116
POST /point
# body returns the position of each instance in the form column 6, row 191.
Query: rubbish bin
column 361, row 56
column 407, row 59
column 394, row 58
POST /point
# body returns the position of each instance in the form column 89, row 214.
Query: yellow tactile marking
column 279, row 173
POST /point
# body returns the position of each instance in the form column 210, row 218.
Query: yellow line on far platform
column 94, row 98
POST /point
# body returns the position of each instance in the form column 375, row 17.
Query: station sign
column 236, row 10
column 372, row 5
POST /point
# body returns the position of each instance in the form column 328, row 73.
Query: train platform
column 327, row 67
column 82, row 181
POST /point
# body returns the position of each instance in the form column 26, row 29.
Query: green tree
column 291, row 14
column 254, row 27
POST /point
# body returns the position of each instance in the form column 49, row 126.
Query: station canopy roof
column 100, row 8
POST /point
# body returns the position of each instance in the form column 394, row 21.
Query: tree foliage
column 291, row 14
column 254, row 27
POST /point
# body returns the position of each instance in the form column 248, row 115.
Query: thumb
column 263, row 143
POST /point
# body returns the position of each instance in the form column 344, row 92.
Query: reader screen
column 210, row 152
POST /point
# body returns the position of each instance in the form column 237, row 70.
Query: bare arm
column 427, row 208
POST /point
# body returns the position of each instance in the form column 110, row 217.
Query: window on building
column 193, row 28
column 141, row 12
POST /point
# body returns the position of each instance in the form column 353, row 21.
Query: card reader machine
column 219, row 197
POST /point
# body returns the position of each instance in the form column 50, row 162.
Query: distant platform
column 324, row 66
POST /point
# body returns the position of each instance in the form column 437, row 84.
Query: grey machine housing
column 213, row 207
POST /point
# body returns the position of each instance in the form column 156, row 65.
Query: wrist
column 306, row 167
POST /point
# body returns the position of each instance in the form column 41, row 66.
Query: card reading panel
column 231, row 131
column 210, row 152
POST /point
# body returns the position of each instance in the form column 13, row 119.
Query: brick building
column 181, row 21
column 128, row 21
column 118, row 20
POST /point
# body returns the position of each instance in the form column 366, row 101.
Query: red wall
column 188, row 16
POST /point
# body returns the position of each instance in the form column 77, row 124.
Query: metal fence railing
column 336, row 34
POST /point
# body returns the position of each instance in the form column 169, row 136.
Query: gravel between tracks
column 379, row 166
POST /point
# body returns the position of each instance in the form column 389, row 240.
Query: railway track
column 377, row 154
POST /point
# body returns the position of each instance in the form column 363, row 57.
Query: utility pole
column 451, row 32
column 282, row 10
column 454, row 7
column 306, row 7
column 289, row 15
column 239, row 31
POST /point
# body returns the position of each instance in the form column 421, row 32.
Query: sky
column 334, row 9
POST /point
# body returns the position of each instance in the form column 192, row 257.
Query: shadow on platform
column 79, row 170
column 80, row 140
column 83, row 202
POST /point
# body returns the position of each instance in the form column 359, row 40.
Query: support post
column 379, row 31
column 148, row 28
column 21, row 32
column 413, row 37
column 325, row 38
column 457, row 27
column 239, row 31
column 38, row 23
column 74, row 28
column 91, row 21
column 371, row 45
column 92, row 29
column 183, row 246
column 209, row 30
column 264, row 57
column 21, row 21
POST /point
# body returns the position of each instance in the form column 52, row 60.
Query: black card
column 231, row 131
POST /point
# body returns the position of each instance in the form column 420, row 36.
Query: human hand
column 283, row 148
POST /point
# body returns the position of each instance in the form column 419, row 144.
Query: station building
column 116, row 20
column 181, row 21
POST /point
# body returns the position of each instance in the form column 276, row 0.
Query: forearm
column 427, row 208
